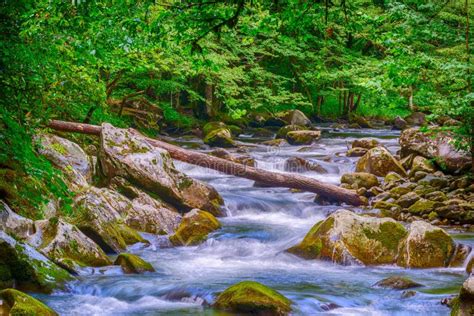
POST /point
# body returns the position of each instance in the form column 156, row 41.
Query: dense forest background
column 169, row 66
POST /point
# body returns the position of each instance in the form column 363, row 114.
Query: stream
column 261, row 224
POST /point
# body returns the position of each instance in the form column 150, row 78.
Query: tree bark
column 328, row 191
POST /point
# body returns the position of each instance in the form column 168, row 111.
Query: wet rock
column 69, row 157
column 345, row 237
column 423, row 206
column 282, row 132
column 21, row 265
column 295, row 117
column 397, row 283
column 241, row 159
column 408, row 199
column 132, row 264
column 408, row 294
column 66, row 245
column 379, row 162
column 367, row 143
column 356, row 152
column 305, row 137
column 360, row 180
column 14, row 224
column 470, row 265
column 298, row 164
column 275, row 142
column 399, row 123
column 152, row 169
column 98, row 217
column 194, row 228
column 463, row 305
column 461, row 253
column 218, row 134
column 426, row 246
column 16, row 303
column 253, row 298
column 440, row 148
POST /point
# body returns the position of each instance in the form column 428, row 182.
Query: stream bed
column 261, row 224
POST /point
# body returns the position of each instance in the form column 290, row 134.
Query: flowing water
column 261, row 224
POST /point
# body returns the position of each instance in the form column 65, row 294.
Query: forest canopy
column 160, row 65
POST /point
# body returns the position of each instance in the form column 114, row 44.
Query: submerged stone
column 194, row 228
column 253, row 298
column 397, row 283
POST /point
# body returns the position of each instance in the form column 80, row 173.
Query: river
column 261, row 224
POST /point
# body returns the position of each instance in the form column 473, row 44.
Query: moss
column 21, row 304
column 133, row 264
column 311, row 246
column 129, row 235
column 59, row 148
column 389, row 235
column 219, row 137
column 194, row 229
column 253, row 298
column 422, row 206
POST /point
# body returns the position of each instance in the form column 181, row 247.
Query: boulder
column 253, row 298
column 367, row 143
column 420, row 163
column 379, row 161
column 152, row 169
column 392, row 177
column 360, row 180
column 426, row 246
column 282, row 132
column 66, row 245
column 463, row 305
column 294, row 117
column 399, row 123
column 305, row 137
column 98, row 216
column 397, row 283
column 423, row 206
column 218, row 134
column 360, row 121
column 345, row 237
column 132, row 264
column 25, row 268
column 416, row 118
column 408, row 199
column 435, row 146
column 14, row 224
column 298, row 164
column 356, row 152
column 194, row 228
column 16, row 303
column 69, row 157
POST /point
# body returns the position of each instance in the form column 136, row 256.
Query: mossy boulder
column 392, row 177
column 69, row 157
column 194, row 228
column 367, row 143
column 253, row 298
column 379, row 161
column 407, row 200
column 421, row 164
column 294, row 117
column 397, row 283
column 128, row 155
column 356, row 152
column 289, row 128
column 133, row 264
column 27, row 268
column 16, row 303
column 14, row 224
column 219, row 137
column 426, row 246
column 305, row 137
column 346, row 237
column 360, row 180
column 423, row 206
column 463, row 305
column 66, row 245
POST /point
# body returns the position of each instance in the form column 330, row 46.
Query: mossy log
column 274, row 179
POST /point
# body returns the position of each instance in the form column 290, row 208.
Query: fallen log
column 275, row 179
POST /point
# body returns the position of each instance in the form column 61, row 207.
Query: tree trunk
column 328, row 191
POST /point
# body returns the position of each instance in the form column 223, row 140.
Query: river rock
column 356, row 152
column 416, row 118
column 360, row 180
column 367, row 143
column 294, row 117
column 218, row 134
column 27, row 269
column 282, row 132
column 152, row 169
column 463, row 305
column 98, row 217
column 253, row 298
column 66, row 245
column 426, row 246
column 194, row 228
column 407, row 199
column 379, row 161
column 345, row 237
column 423, row 206
column 305, row 137
column 69, row 157
column 14, row 224
column 397, row 283
column 360, row 121
column 241, row 159
column 132, row 264
column 298, row 164
column 399, row 123
column 421, row 164
column 16, row 303
column 440, row 148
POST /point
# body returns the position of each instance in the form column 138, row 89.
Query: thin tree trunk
column 276, row 179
